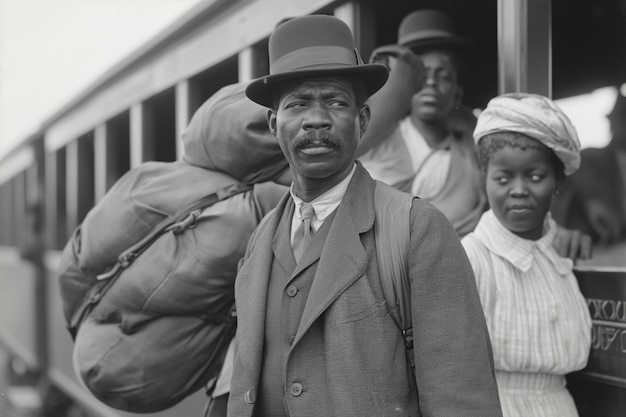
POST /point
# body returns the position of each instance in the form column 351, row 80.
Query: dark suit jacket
column 348, row 357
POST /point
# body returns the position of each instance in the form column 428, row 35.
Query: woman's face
column 520, row 185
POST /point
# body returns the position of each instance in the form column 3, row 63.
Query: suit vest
column 287, row 294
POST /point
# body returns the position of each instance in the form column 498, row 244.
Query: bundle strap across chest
column 392, row 231
column 186, row 218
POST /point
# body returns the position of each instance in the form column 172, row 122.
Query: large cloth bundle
column 154, row 327
column 162, row 330
column 235, row 138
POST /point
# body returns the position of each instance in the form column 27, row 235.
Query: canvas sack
column 161, row 328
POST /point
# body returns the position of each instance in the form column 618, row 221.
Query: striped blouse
column 538, row 320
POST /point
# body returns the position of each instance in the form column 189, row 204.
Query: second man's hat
column 426, row 29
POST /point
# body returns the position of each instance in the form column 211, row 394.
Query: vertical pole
column 525, row 46
column 182, row 115
column 41, row 277
column 51, row 206
column 360, row 18
column 71, row 186
column 253, row 62
column 101, row 161
column 246, row 65
column 136, row 135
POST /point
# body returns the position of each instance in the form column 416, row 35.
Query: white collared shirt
column 405, row 155
column 430, row 165
column 537, row 317
column 323, row 205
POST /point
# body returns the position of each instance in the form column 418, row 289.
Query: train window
column 588, row 70
column 159, row 127
column 85, row 178
column 6, row 208
column 56, row 215
column 117, row 148
column 19, row 208
column 205, row 84
column 592, row 58
column 80, row 179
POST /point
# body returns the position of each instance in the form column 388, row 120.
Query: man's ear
column 364, row 118
column 271, row 121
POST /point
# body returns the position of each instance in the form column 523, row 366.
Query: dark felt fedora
column 313, row 46
column 428, row 29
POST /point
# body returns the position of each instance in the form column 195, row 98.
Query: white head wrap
column 535, row 116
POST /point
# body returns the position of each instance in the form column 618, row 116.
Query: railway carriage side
column 137, row 111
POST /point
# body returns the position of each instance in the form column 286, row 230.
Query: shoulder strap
column 392, row 230
column 184, row 219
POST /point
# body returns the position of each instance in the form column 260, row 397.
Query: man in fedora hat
column 593, row 199
column 428, row 151
column 315, row 336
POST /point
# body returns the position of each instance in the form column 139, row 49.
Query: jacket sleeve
column 453, row 358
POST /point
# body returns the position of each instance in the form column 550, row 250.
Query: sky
column 51, row 50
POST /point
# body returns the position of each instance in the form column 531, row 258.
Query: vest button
column 292, row 291
column 291, row 340
column 296, row 389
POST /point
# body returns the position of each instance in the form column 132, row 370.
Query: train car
column 137, row 110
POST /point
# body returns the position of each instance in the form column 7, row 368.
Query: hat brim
column 451, row 43
column 261, row 90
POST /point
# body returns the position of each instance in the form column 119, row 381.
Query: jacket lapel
column 281, row 244
column 251, row 293
column 343, row 258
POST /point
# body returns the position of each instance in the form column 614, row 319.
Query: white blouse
column 537, row 318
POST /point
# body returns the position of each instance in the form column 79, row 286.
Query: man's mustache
column 318, row 138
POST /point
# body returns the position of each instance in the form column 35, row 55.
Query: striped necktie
column 305, row 232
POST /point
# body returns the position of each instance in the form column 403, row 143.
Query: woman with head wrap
column 538, row 320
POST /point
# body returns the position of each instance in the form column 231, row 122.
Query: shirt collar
column 326, row 203
column 520, row 252
column 412, row 134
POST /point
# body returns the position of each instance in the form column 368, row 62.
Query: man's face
column 441, row 92
column 318, row 125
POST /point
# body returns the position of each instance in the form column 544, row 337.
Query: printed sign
column 605, row 292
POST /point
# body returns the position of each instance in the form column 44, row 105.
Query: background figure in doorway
column 593, row 200
column 420, row 137
column 428, row 150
